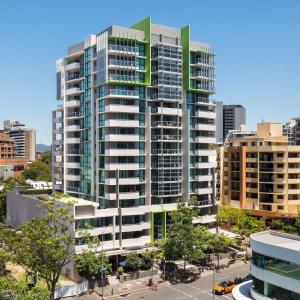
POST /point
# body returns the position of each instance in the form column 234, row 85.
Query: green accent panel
column 151, row 227
column 185, row 43
column 203, row 91
column 145, row 25
column 110, row 81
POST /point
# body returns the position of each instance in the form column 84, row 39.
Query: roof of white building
column 278, row 245
column 283, row 240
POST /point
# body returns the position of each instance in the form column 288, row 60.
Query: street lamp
column 213, row 289
column 102, row 269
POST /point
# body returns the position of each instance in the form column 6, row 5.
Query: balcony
column 166, row 151
column 122, row 64
column 120, row 166
column 73, row 177
column 205, row 127
column 119, row 93
column 205, row 139
column 122, row 196
column 205, row 114
column 72, row 165
column 204, row 191
column 166, row 137
column 126, row 78
column 122, row 138
column 72, row 103
column 135, row 227
column 167, row 111
column 72, row 66
column 72, row 128
column 73, row 91
column 166, row 124
column 202, row 178
column 138, row 242
column 205, row 165
column 202, row 62
column 74, row 114
column 205, row 152
column 58, row 130
column 122, row 152
column 74, row 140
column 127, row 50
column 123, row 181
column 73, row 189
column 122, row 123
column 122, row 108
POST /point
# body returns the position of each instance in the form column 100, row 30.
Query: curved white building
column 275, row 266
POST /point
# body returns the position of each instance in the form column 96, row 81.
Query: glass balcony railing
column 123, row 48
column 123, row 63
column 118, row 77
column 120, row 92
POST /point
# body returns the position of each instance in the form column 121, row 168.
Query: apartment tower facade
column 25, row 139
column 261, row 173
column 134, row 129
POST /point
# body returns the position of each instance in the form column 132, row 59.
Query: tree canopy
column 38, row 170
column 14, row 290
column 43, row 244
column 89, row 263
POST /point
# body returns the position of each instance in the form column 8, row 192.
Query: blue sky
column 257, row 44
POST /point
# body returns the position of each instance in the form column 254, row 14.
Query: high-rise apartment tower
column 136, row 128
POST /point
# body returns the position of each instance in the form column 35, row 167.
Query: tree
column 249, row 225
column 3, row 261
column 229, row 215
column 12, row 289
column 43, row 244
column 38, row 170
column 134, row 262
column 46, row 157
column 182, row 241
column 219, row 243
column 7, row 185
column 277, row 224
column 89, row 262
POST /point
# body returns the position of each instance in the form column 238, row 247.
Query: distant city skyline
column 256, row 45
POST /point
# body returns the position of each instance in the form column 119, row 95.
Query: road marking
column 183, row 293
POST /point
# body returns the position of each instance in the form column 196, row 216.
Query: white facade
column 275, row 266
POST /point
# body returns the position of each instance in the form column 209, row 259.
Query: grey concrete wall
column 240, row 117
column 21, row 208
column 219, row 121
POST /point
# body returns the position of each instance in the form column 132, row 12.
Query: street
column 199, row 289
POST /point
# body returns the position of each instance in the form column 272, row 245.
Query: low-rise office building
column 261, row 173
column 275, row 266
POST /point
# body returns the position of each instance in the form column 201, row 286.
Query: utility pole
column 102, row 267
column 213, row 288
column 213, row 173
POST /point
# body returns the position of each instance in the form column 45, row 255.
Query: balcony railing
column 123, row 48
column 123, row 63
column 166, row 123
column 166, row 137
column 132, row 78
column 119, row 92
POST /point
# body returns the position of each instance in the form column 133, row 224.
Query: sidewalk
column 134, row 286
column 130, row 287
